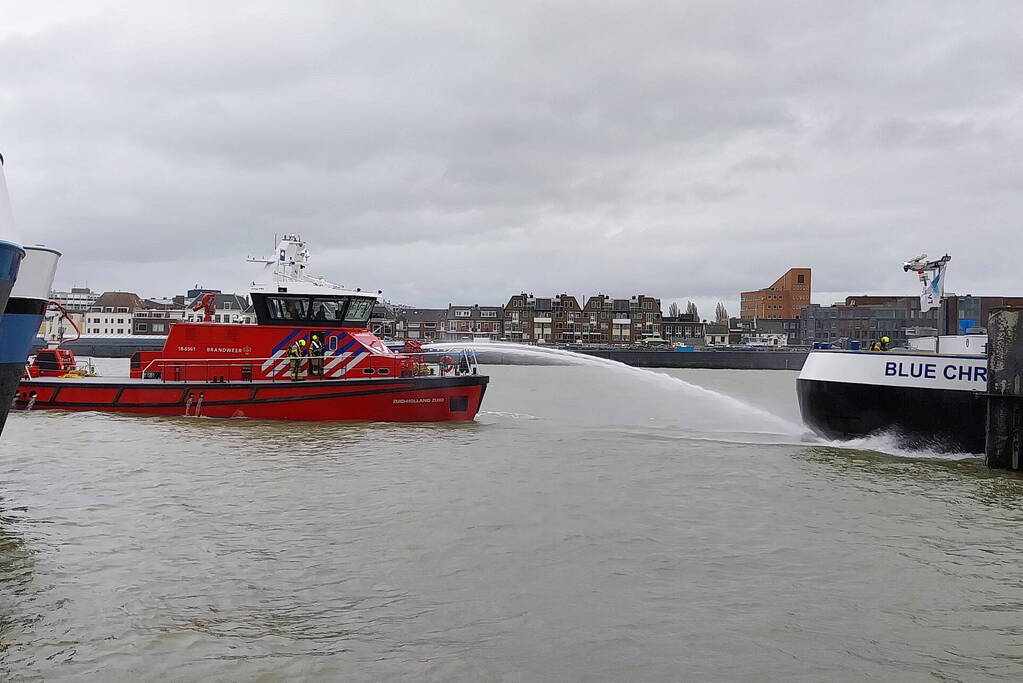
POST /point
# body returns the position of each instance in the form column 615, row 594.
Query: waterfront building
column 971, row 312
column 155, row 316
column 567, row 320
column 686, row 329
column 425, row 324
column 466, row 323
column 112, row 313
column 76, row 303
column 529, row 319
column 783, row 299
column 866, row 319
column 623, row 321
column 561, row 320
column 228, row 308
column 597, row 315
column 78, row 300
column 518, row 318
column 716, row 334
column 383, row 322
column 645, row 316
column 771, row 332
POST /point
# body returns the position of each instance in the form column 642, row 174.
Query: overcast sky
column 464, row 151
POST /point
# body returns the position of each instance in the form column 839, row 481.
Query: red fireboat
column 310, row 356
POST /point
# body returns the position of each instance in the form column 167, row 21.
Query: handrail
column 467, row 362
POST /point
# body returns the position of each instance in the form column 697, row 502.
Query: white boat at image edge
column 26, row 277
column 930, row 395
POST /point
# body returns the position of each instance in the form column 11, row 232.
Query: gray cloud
column 463, row 151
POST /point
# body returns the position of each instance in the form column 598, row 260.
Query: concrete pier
column 1004, row 435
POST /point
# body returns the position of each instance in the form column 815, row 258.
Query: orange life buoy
column 447, row 363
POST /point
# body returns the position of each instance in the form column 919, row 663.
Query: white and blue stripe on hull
column 11, row 256
column 22, row 315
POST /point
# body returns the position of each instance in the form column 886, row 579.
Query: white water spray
column 767, row 422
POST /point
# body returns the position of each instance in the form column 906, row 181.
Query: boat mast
column 932, row 279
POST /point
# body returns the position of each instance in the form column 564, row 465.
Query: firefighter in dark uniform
column 295, row 352
column 315, row 357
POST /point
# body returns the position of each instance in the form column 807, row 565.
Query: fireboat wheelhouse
column 233, row 370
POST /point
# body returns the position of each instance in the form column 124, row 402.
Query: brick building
column 465, row 323
column 625, row 321
column 867, row 319
column 540, row 320
column 567, row 320
column 561, row 320
column 155, row 317
column 784, row 299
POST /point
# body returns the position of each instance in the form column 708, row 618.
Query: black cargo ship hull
column 944, row 420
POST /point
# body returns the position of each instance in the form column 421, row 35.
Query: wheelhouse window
column 359, row 310
column 325, row 308
column 316, row 310
column 288, row 307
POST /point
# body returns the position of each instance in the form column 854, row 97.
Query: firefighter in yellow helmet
column 315, row 356
column 295, row 351
column 884, row 343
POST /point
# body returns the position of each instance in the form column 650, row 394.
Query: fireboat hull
column 412, row 399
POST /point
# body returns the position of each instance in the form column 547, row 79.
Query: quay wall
column 108, row 347
column 714, row 360
column 739, row 359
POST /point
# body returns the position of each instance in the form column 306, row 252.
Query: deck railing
column 249, row 369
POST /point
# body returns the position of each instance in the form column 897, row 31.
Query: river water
column 589, row 526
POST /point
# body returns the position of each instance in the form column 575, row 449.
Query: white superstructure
column 285, row 273
column 36, row 275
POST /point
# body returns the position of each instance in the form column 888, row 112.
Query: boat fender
column 447, row 363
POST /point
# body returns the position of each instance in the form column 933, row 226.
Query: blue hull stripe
column 17, row 332
column 284, row 342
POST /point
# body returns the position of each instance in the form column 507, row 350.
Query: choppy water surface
column 589, row 526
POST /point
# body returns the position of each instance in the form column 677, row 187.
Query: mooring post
column 1004, row 438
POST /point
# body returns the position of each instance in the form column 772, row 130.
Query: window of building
column 801, row 279
column 142, row 327
column 462, row 313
